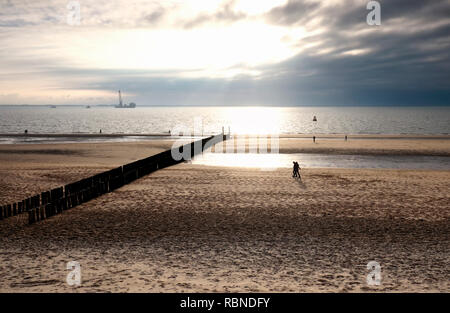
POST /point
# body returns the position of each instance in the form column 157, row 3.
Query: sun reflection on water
column 269, row 161
column 251, row 160
column 254, row 120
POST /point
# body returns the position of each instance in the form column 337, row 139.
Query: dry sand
column 192, row 228
column 27, row 169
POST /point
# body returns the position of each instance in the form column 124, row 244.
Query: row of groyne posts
column 57, row 200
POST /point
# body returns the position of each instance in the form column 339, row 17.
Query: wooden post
column 41, row 212
column 60, row 205
column 14, row 210
column 53, row 195
column 78, row 198
column 73, row 201
column 9, row 210
column 64, row 203
column 121, row 180
column 37, row 214
column 90, row 193
column 1, row 212
column 52, row 208
column 83, row 196
column 31, row 217
column 45, row 197
column 56, row 206
column 48, row 210
column 35, row 201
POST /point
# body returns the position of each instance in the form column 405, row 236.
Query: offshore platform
column 131, row 105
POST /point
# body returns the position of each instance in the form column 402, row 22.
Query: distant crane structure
column 131, row 105
column 120, row 99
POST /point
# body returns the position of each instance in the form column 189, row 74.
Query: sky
column 227, row 52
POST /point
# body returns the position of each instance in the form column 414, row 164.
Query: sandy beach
column 311, row 151
column 196, row 228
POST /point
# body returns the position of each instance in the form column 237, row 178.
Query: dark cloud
column 293, row 12
column 414, row 8
column 16, row 23
column 408, row 63
column 347, row 13
column 155, row 16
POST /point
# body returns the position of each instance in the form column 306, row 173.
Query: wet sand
column 193, row 228
column 393, row 146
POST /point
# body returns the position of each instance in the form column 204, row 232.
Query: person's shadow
column 300, row 182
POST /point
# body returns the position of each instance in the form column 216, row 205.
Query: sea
column 202, row 121
column 240, row 120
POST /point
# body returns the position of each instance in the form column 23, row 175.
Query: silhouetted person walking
column 314, row 139
column 295, row 172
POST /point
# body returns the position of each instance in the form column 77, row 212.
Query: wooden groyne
column 57, row 200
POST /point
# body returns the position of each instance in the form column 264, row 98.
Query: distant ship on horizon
column 131, row 105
